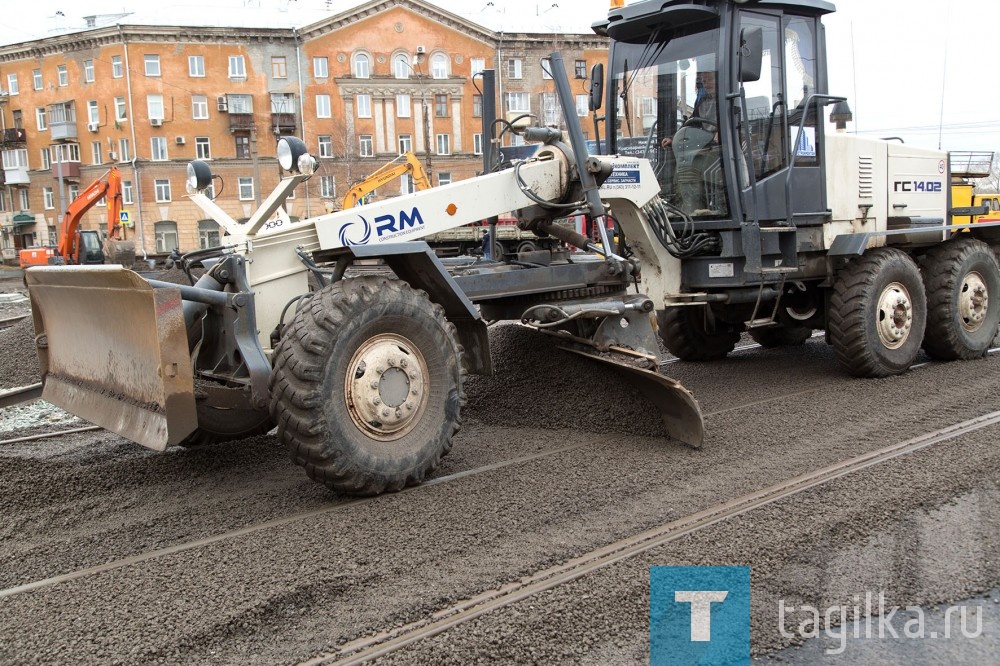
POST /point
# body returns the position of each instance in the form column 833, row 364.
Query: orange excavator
column 405, row 163
column 83, row 246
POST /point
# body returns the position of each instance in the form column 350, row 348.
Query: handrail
column 795, row 148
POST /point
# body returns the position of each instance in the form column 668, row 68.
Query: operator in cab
column 695, row 146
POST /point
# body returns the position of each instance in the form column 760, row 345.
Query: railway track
column 393, row 640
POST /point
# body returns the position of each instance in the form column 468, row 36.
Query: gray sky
column 892, row 59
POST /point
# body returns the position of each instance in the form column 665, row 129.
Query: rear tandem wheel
column 367, row 386
column 878, row 312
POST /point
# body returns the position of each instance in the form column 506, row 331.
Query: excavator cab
column 89, row 248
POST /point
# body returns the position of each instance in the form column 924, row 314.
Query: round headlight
column 290, row 149
column 199, row 176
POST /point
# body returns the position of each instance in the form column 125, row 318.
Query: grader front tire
column 684, row 332
column 367, row 386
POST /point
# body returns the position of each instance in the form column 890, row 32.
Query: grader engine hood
column 114, row 351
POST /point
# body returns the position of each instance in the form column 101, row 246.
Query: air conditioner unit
column 93, row 127
column 179, row 140
column 421, row 49
column 222, row 103
column 156, row 122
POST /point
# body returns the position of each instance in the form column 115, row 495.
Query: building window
column 401, row 66
column 96, row 155
column 439, row 66
column 166, row 236
column 46, row 160
column 158, row 148
column 405, row 144
column 441, row 106
column 582, row 105
column 444, row 178
column 240, row 104
column 63, row 74
column 246, row 188
column 327, row 187
column 325, row 145
column 546, row 68
column 154, row 106
column 514, row 68
column 124, row 150
column 152, row 64
column 25, row 199
column 208, row 234
column 12, row 88
column 127, row 192
column 550, row 109
column 283, row 103
column 202, row 148
column 162, row 190
column 477, row 65
column 580, row 69
column 364, row 106
column 477, row 144
column 15, row 159
column 518, row 103
column 279, row 67
column 88, row 71
column 74, row 191
column 199, row 107
column 321, row 67
column 237, row 67
column 403, row 106
column 323, row 106
column 36, row 79
column 196, row 66
column 117, row 71
column 119, row 108
column 65, row 152
column 362, row 66
column 406, row 184
column 477, row 106
column 365, row 146
column 40, row 117
column 443, row 144
column 93, row 113
column 242, row 146
column 49, row 198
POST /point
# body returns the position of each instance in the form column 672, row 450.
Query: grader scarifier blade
column 680, row 411
column 114, row 351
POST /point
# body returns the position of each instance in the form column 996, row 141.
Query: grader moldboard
column 754, row 220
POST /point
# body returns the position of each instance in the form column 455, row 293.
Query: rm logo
column 699, row 615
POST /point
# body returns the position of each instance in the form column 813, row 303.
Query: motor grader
column 756, row 219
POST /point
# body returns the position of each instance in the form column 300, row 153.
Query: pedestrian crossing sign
column 123, row 217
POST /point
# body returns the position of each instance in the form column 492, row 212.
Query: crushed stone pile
column 18, row 358
column 537, row 385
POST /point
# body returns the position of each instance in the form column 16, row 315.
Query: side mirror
column 751, row 53
column 596, row 86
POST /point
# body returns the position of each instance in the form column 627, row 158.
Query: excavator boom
column 406, row 163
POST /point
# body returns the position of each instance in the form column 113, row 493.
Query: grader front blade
column 113, row 351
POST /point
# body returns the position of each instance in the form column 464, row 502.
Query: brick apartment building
column 360, row 87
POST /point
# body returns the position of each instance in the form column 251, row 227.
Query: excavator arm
column 406, row 163
column 108, row 187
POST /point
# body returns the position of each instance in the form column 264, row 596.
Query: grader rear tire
column 963, row 299
column 878, row 314
column 367, row 386
column 684, row 333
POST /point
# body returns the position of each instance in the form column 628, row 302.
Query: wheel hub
column 973, row 302
column 386, row 387
column 895, row 315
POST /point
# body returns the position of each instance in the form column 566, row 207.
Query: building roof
column 40, row 19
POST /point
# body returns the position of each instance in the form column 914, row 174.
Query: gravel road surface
column 558, row 456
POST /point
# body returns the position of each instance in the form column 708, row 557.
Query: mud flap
column 680, row 411
column 114, row 351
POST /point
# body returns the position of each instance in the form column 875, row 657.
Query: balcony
column 16, row 176
column 67, row 170
column 63, row 131
column 283, row 123
column 62, row 121
column 15, row 136
column 240, row 122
